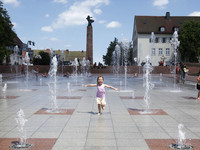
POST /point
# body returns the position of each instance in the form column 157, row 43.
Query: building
column 163, row 28
column 64, row 55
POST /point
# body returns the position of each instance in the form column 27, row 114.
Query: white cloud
column 47, row 29
column 53, row 39
column 113, row 24
column 77, row 13
column 67, row 45
column 12, row 2
column 102, row 21
column 61, row 1
column 47, row 15
column 97, row 11
column 195, row 13
column 160, row 3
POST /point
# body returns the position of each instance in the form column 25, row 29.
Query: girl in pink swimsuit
column 100, row 96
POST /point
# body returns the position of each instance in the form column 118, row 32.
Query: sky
column 62, row 24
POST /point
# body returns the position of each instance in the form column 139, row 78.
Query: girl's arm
column 90, row 85
column 108, row 86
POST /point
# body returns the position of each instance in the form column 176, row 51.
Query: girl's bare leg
column 199, row 95
column 99, row 108
column 103, row 106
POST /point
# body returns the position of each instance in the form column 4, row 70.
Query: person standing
column 182, row 72
column 198, row 87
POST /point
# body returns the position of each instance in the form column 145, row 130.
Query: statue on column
column 90, row 21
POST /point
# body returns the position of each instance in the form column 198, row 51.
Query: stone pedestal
column 89, row 46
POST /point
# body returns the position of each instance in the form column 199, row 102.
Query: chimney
column 167, row 15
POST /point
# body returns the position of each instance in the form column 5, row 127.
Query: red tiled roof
column 148, row 24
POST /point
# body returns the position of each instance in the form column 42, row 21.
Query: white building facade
column 163, row 28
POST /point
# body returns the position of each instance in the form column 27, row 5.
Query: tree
column 130, row 53
column 190, row 41
column 7, row 35
column 108, row 57
column 44, row 59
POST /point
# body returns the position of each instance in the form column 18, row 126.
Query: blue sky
column 62, row 24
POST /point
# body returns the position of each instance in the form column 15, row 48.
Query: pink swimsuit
column 100, row 91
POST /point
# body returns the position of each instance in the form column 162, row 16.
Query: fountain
column 4, row 87
column 83, row 66
column 75, row 70
column 27, row 61
column 1, row 79
column 20, row 120
column 116, row 60
column 88, row 68
column 16, row 50
column 181, row 143
column 133, row 95
column 68, row 89
column 147, row 69
column 161, row 77
column 62, row 60
column 40, row 81
column 152, row 42
column 175, row 43
column 125, row 45
column 52, row 84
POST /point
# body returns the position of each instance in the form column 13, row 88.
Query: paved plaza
column 123, row 125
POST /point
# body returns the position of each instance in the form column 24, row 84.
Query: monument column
column 89, row 45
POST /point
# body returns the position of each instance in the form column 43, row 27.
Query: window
column 153, row 52
column 160, row 51
column 167, row 51
column 160, row 40
column 162, row 29
column 167, row 39
column 156, row 41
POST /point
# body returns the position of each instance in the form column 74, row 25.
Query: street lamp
column 31, row 42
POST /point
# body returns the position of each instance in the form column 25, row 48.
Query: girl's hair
column 98, row 78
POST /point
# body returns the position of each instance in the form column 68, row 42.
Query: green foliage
column 44, row 60
column 190, row 41
column 7, row 35
column 108, row 57
column 4, row 53
column 130, row 53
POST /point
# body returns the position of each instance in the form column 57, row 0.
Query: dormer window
column 176, row 29
column 162, row 29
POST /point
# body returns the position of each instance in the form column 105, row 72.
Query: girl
column 100, row 95
column 198, row 87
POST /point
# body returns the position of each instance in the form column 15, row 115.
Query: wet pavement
column 123, row 125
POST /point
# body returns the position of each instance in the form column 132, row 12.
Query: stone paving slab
column 116, row 128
